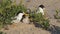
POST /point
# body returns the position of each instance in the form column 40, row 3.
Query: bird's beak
column 26, row 14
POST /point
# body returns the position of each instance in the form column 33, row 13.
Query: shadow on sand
column 53, row 29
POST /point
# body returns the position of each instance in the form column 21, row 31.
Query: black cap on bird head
column 19, row 12
column 42, row 6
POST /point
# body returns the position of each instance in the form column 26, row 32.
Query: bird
column 21, row 16
column 40, row 9
column 18, row 17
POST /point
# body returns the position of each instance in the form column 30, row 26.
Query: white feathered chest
column 40, row 10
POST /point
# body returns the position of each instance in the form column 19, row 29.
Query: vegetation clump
column 40, row 19
column 8, row 10
column 56, row 16
column 2, row 32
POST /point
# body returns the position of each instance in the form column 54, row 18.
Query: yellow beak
column 26, row 14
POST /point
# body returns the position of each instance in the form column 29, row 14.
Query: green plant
column 45, row 24
column 9, row 10
column 56, row 16
column 2, row 32
column 40, row 19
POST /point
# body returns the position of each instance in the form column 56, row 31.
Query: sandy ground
column 22, row 28
column 50, row 5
